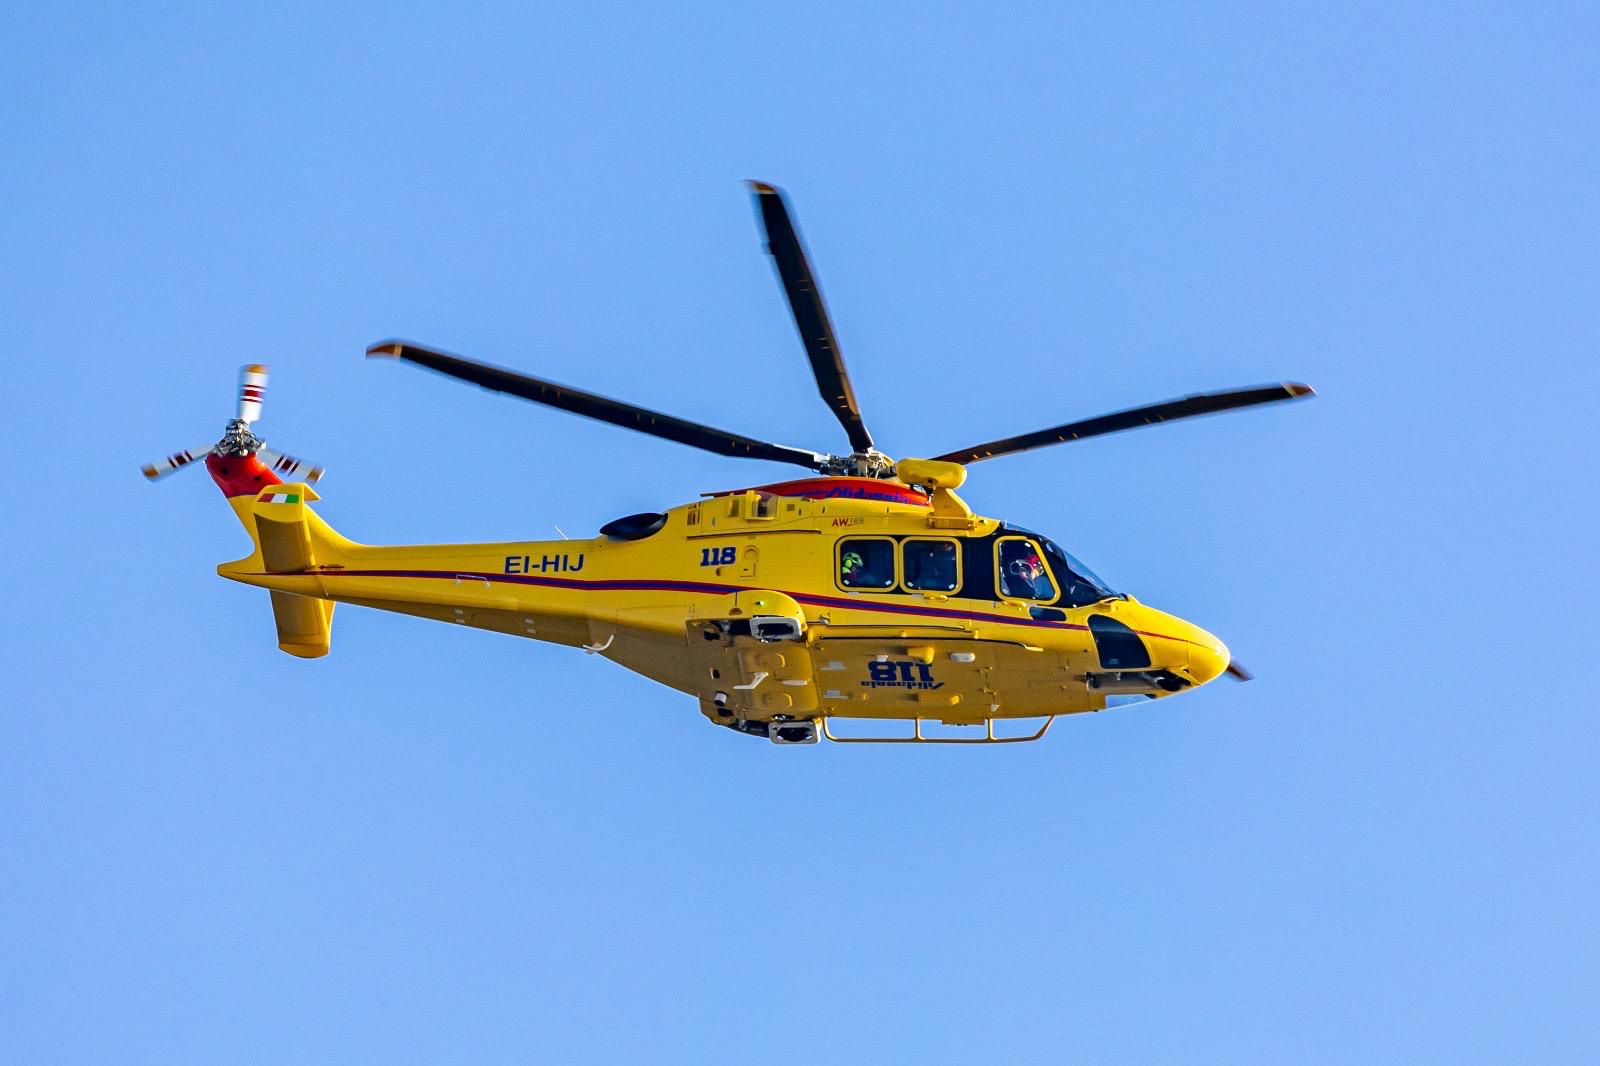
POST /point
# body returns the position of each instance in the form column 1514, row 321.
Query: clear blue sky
column 441, row 845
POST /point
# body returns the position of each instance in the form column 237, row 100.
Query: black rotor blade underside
column 810, row 313
column 1172, row 410
column 626, row 415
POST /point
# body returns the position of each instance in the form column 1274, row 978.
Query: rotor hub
column 238, row 440
column 869, row 463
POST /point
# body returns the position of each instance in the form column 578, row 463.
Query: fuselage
column 868, row 601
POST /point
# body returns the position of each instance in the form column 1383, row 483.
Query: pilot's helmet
column 1027, row 563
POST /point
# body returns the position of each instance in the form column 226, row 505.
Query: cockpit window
column 1079, row 585
column 1023, row 575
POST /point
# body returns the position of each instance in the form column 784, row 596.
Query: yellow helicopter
column 867, row 591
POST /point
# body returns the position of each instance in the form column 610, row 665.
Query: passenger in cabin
column 942, row 567
column 852, row 568
column 931, row 565
column 867, row 564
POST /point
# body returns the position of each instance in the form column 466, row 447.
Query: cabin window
column 1023, row 573
column 866, row 563
column 930, row 565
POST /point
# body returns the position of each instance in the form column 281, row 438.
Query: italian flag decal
column 278, row 497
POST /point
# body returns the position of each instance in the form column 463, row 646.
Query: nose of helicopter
column 1184, row 647
column 1208, row 657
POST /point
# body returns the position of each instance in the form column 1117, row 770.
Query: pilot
column 1024, row 573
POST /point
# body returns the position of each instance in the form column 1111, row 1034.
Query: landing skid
column 917, row 736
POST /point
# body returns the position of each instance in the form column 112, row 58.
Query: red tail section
column 238, row 475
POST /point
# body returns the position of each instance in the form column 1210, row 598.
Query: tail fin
column 283, row 528
column 292, row 546
column 305, row 626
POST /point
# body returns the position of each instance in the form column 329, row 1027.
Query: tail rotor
column 238, row 440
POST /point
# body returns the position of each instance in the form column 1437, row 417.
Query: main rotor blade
column 589, row 405
column 810, row 314
column 1171, row 411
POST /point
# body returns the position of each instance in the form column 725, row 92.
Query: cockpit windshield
column 1080, row 586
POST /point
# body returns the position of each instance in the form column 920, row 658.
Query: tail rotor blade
column 175, row 462
column 1239, row 673
column 290, row 468
column 252, row 390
